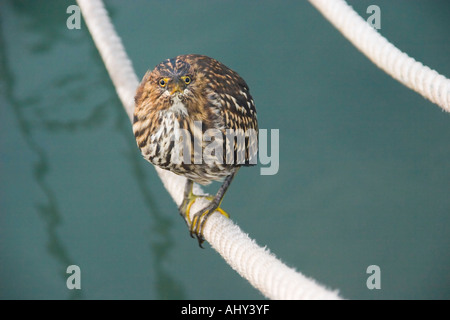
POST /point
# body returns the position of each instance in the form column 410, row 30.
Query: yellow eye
column 186, row 79
column 163, row 82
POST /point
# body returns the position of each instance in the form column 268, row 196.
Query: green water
column 364, row 170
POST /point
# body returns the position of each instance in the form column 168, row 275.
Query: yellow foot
column 197, row 223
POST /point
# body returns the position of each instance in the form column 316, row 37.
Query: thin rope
column 413, row 74
column 256, row 264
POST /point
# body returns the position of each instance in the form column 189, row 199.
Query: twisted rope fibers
column 413, row 74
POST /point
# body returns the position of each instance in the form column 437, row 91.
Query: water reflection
column 48, row 209
column 166, row 286
column 74, row 86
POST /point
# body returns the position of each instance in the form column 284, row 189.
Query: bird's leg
column 188, row 201
column 188, row 197
column 200, row 218
column 197, row 223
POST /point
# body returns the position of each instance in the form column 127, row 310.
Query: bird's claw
column 197, row 223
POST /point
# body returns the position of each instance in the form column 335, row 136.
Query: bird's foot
column 199, row 219
column 197, row 223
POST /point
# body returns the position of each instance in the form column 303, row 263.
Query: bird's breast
column 178, row 107
column 177, row 145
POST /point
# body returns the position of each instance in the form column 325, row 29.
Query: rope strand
column 413, row 74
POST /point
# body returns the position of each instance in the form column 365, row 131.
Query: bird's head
column 174, row 78
column 178, row 84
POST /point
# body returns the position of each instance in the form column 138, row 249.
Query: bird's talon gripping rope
column 223, row 212
column 199, row 219
column 193, row 226
column 197, row 222
column 194, row 230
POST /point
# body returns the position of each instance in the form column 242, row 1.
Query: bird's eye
column 162, row 83
column 187, row 79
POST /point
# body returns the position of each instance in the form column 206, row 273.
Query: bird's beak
column 176, row 86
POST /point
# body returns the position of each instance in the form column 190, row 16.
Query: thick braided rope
column 385, row 55
column 256, row 264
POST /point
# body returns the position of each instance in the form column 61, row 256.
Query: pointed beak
column 176, row 86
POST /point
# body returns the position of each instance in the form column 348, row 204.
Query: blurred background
column 364, row 170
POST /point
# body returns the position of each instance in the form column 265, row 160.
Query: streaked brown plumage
column 205, row 99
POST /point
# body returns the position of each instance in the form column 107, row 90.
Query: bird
column 195, row 117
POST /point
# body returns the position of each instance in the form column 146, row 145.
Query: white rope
column 256, row 264
column 384, row 54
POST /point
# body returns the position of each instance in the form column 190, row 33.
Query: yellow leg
column 196, row 224
column 199, row 218
column 188, row 209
